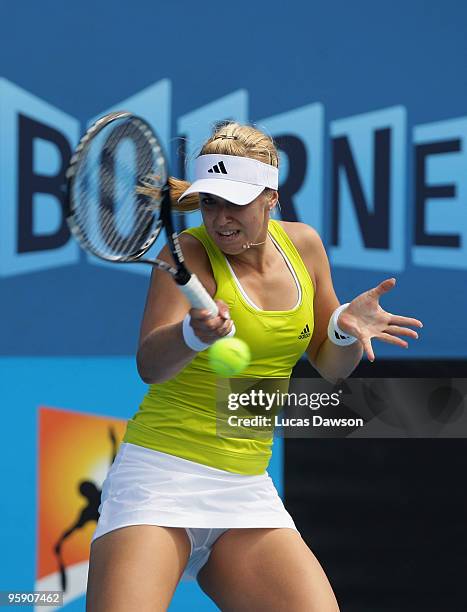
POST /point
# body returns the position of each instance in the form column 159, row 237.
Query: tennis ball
column 229, row 356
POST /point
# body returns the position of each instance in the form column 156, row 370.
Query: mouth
column 228, row 235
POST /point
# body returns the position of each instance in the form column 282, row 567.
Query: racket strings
column 117, row 242
column 113, row 215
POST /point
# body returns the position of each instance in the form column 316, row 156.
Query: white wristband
column 335, row 334
column 191, row 339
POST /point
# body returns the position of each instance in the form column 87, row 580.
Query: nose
column 222, row 215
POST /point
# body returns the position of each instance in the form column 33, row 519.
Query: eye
column 207, row 201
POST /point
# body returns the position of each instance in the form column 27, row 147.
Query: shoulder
column 196, row 259
column 310, row 247
column 192, row 249
column 304, row 237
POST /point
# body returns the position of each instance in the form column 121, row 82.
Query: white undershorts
column 148, row 487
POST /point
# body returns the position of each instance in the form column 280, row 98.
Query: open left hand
column 365, row 319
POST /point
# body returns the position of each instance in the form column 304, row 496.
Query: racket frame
column 187, row 281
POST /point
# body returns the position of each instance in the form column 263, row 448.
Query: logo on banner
column 75, row 453
column 368, row 192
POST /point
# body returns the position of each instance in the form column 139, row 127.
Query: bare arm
column 363, row 318
column 162, row 352
column 331, row 361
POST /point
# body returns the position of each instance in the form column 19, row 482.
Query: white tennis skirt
column 148, row 487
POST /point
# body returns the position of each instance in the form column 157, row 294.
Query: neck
column 260, row 241
column 248, row 245
column 258, row 255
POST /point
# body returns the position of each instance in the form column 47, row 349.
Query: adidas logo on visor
column 305, row 332
column 218, row 168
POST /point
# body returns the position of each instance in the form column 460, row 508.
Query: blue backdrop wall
column 367, row 102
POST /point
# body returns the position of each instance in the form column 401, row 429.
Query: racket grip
column 198, row 295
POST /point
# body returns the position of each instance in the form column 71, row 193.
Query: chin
column 231, row 249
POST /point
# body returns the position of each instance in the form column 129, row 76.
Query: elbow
column 146, row 369
column 145, row 377
column 149, row 371
column 153, row 361
column 150, row 378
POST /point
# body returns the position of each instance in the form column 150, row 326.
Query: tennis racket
column 118, row 199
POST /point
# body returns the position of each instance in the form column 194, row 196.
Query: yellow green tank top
column 179, row 416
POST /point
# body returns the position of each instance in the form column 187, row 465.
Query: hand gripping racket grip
column 200, row 298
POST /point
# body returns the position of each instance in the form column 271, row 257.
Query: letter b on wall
column 35, row 147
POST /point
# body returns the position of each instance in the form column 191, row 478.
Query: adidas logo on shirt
column 218, row 168
column 305, row 333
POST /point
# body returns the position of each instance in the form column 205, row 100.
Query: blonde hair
column 228, row 139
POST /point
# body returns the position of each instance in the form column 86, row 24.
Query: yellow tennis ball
column 229, row 356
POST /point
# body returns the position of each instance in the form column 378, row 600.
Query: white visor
column 236, row 179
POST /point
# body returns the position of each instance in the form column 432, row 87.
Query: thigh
column 266, row 569
column 136, row 568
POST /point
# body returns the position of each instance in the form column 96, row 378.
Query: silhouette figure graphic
column 90, row 512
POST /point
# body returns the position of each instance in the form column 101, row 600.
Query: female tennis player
column 180, row 500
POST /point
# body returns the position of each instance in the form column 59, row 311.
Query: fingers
column 209, row 328
column 366, row 343
column 401, row 331
column 201, row 314
column 392, row 340
column 390, row 336
column 398, row 320
column 223, row 309
column 383, row 287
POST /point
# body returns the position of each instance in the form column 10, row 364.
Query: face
column 230, row 225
